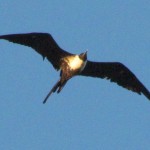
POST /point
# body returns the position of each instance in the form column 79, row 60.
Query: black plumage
column 64, row 61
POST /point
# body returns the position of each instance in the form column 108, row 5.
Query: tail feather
column 58, row 86
column 61, row 87
column 53, row 90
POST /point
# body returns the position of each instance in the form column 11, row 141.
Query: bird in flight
column 71, row 65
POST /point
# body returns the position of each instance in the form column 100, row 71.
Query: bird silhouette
column 71, row 65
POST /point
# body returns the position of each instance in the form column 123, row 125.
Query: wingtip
column 148, row 96
column 146, row 93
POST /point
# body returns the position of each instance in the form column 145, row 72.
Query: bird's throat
column 75, row 63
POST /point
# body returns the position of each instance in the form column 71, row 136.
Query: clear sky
column 89, row 114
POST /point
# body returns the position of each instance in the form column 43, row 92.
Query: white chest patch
column 76, row 63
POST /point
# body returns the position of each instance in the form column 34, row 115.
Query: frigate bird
column 71, row 65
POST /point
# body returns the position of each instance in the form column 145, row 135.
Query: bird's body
column 71, row 65
column 75, row 62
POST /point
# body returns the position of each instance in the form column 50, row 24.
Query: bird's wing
column 43, row 43
column 115, row 72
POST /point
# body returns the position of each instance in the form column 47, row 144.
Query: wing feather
column 115, row 72
column 43, row 43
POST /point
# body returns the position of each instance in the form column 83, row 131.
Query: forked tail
column 58, row 86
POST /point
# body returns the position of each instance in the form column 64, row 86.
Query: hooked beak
column 83, row 56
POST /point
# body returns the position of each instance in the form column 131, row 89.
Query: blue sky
column 89, row 113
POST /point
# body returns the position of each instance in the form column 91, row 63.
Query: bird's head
column 83, row 56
